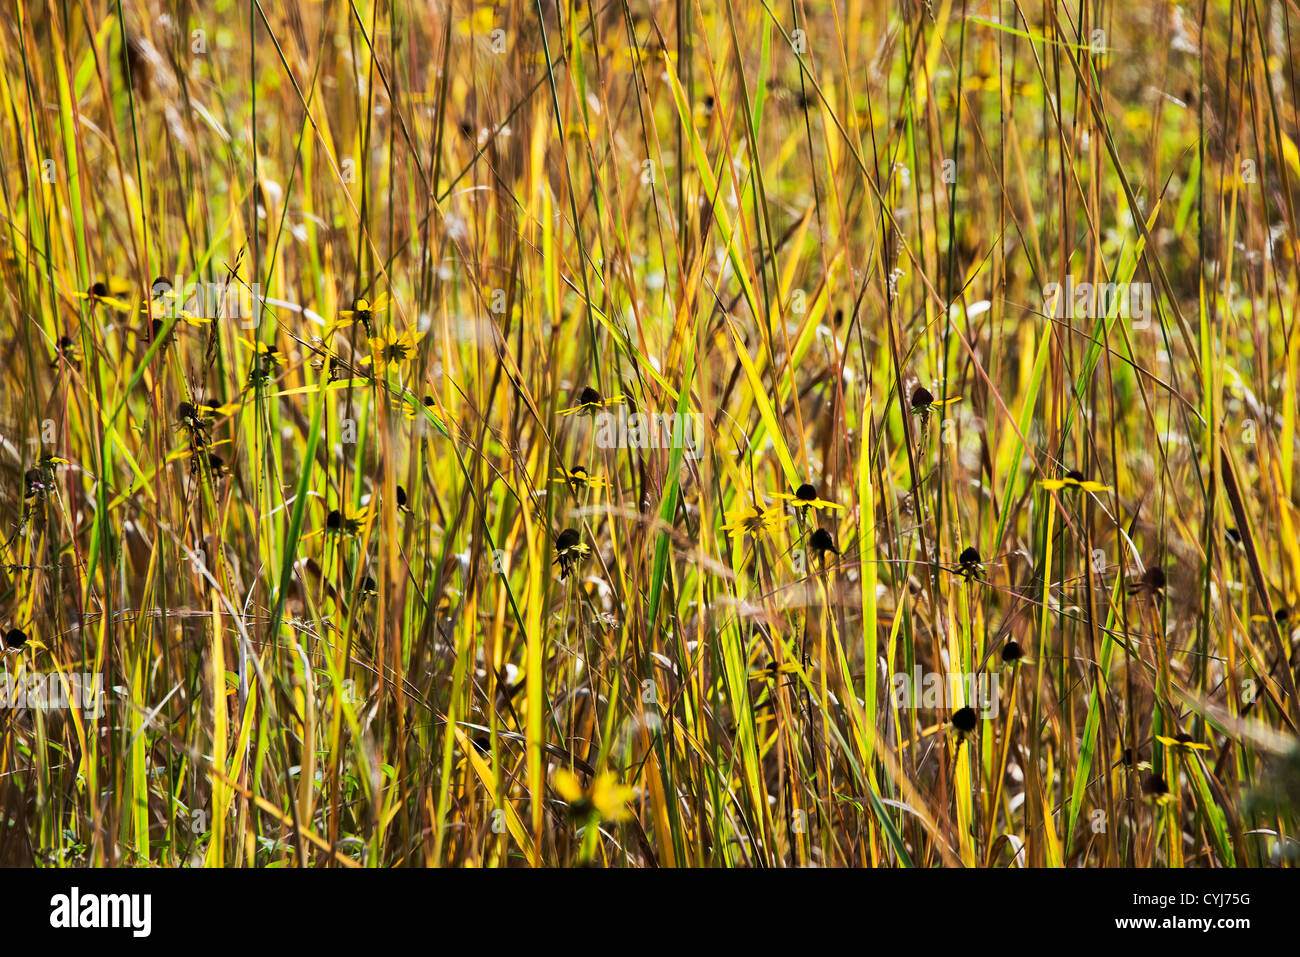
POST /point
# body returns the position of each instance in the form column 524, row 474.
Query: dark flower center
column 963, row 719
column 1155, row 785
column 822, row 541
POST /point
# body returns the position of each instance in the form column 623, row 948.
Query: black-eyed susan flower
column 964, row 721
column 103, row 294
column 197, row 418
column 805, row 496
column 590, row 401
column 569, row 550
column 363, row 311
column 1182, row 742
column 579, row 478
column 161, row 289
column 414, row 407
column 969, row 564
column 1155, row 787
column 192, row 319
column 1281, row 615
column 215, row 407
column 163, row 302
column 1073, row 479
column 337, row 523
column 189, row 414
column 605, row 799
column 15, row 639
column 752, row 520
column 1152, row 582
column 425, row 411
column 395, row 348
column 368, row 588
column 924, row 402
column 1012, row 652
column 774, row 671
column 195, row 422
column 822, row 541
column 66, row 350
column 402, row 500
column 266, row 360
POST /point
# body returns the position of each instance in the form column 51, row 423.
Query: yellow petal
column 568, row 786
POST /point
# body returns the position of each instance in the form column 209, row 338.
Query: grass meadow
column 649, row 433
